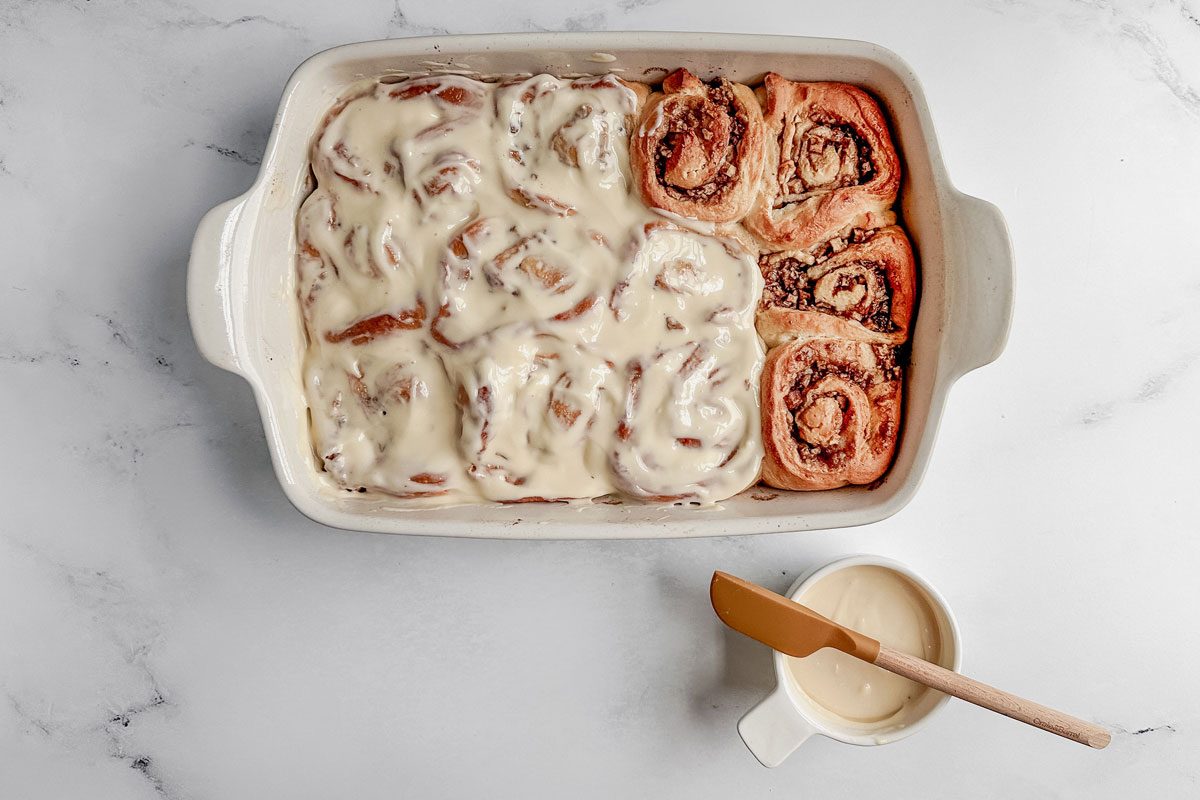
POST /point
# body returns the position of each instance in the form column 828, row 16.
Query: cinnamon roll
column 829, row 159
column 584, row 122
column 679, row 281
column 350, row 269
column 698, row 150
column 345, row 154
column 493, row 277
column 859, row 287
column 682, row 434
column 368, row 414
column 529, row 403
column 830, row 413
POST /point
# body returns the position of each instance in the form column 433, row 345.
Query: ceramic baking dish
column 245, row 317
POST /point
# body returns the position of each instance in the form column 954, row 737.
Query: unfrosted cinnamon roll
column 829, row 160
column 698, row 150
column 830, row 413
column 859, row 287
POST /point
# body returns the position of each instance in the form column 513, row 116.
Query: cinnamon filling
column 697, row 158
column 858, row 291
column 822, row 407
column 820, row 154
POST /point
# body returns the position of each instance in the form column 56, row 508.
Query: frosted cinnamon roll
column 678, row 282
column 529, row 403
column 830, row 413
column 860, row 287
column 683, row 435
column 347, row 154
column 553, row 142
column 698, row 150
column 829, row 160
column 356, row 286
column 494, row 277
column 384, row 420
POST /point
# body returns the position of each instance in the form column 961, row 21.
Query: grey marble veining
column 171, row 628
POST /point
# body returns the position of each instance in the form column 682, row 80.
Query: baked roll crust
column 830, row 413
column 859, row 287
column 829, row 159
column 698, row 151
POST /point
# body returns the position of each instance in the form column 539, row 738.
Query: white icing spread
column 493, row 314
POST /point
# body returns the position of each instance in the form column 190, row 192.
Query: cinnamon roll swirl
column 861, row 287
column 698, row 150
column 830, row 413
column 829, row 159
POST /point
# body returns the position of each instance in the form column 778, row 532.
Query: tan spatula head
column 799, row 631
column 781, row 623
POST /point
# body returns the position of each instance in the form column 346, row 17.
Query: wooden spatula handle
column 964, row 688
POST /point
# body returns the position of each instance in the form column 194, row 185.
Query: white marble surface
column 171, row 627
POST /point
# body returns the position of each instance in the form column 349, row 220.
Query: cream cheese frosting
column 494, row 315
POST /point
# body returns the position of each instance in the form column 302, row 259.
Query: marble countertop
column 170, row 627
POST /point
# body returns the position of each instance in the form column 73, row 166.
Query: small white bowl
column 787, row 717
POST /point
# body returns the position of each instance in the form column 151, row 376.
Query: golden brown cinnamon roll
column 829, row 160
column 698, row 151
column 830, row 413
column 859, row 287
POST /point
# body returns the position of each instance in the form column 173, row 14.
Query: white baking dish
column 245, row 317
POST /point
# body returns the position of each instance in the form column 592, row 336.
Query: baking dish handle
column 210, row 282
column 983, row 298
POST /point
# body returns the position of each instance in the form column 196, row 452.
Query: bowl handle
column 982, row 305
column 210, row 281
column 773, row 729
